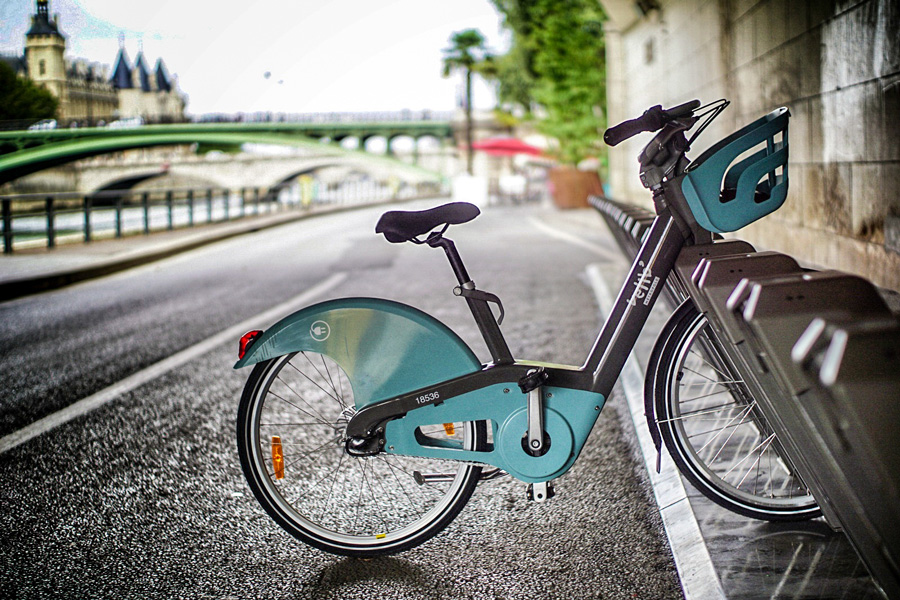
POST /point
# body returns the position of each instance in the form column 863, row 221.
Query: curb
column 26, row 286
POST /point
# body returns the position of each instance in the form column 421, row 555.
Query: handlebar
column 653, row 119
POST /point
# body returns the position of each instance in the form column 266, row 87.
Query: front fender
column 385, row 348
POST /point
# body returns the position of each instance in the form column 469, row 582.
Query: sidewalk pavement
column 38, row 270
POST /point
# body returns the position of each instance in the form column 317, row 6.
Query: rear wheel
column 714, row 430
column 291, row 440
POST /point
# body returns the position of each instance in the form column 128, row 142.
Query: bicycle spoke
column 719, row 381
column 765, row 444
column 330, row 380
column 320, row 418
column 699, row 356
column 740, row 415
column 315, row 383
column 700, row 412
column 421, row 488
column 337, row 396
column 329, row 496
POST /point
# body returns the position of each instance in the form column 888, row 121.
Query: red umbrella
column 506, row 147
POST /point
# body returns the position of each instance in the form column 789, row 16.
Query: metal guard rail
column 30, row 220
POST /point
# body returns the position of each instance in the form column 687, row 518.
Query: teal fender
column 385, row 348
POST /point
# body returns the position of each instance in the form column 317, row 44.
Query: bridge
column 247, row 170
column 25, row 152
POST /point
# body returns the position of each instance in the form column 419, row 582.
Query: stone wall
column 836, row 64
column 154, row 106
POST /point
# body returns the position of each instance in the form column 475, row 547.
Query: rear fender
column 385, row 348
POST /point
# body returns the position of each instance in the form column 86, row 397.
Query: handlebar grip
column 652, row 119
column 682, row 110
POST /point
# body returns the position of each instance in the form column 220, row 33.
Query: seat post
column 481, row 311
column 452, row 255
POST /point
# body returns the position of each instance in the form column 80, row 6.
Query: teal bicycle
column 366, row 425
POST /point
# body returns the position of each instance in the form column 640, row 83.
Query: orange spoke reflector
column 449, row 428
column 277, row 457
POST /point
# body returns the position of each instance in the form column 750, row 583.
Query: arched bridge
column 31, row 151
column 249, row 170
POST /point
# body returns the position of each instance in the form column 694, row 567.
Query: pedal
column 540, row 492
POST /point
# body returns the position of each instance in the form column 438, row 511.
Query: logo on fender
column 319, row 331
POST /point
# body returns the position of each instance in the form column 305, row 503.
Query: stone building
column 151, row 95
column 834, row 63
column 86, row 91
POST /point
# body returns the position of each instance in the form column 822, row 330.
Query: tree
column 558, row 59
column 468, row 54
column 515, row 73
column 20, row 98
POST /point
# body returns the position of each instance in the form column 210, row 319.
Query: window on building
column 42, row 67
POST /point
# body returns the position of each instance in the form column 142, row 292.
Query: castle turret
column 44, row 50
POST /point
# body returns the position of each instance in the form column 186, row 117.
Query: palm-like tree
column 468, row 54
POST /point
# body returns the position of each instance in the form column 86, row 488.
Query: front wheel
column 713, row 429
column 291, row 440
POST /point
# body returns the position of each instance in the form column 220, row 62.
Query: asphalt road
column 144, row 496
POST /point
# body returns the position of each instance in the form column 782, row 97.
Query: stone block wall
column 835, row 63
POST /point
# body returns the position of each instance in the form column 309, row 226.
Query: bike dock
column 820, row 351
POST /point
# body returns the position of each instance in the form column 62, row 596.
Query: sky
column 320, row 55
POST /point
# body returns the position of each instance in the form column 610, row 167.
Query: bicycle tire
column 339, row 503
column 713, row 429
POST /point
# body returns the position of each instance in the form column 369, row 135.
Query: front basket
column 726, row 199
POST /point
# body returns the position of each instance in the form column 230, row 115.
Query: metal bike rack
column 682, row 285
column 820, row 353
column 715, row 278
column 828, row 430
column 853, row 404
column 778, row 310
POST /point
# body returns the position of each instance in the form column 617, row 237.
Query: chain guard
column 569, row 416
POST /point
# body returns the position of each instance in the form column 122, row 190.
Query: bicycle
column 366, row 424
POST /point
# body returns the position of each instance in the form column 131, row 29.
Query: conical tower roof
column 143, row 75
column 121, row 77
column 163, row 82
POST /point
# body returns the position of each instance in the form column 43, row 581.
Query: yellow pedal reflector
column 449, row 428
column 277, row 457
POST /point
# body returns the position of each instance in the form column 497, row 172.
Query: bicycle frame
column 575, row 396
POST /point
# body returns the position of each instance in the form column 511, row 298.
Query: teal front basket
column 726, row 199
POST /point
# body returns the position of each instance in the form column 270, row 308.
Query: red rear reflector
column 246, row 341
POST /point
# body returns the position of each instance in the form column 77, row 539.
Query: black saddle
column 405, row 225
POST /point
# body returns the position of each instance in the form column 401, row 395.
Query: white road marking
column 86, row 405
column 565, row 236
column 695, row 568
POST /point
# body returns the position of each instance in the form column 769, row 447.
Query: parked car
column 126, row 123
column 43, row 124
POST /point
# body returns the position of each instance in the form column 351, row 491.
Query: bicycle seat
column 404, row 225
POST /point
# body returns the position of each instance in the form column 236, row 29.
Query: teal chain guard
column 569, row 416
